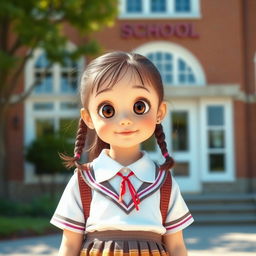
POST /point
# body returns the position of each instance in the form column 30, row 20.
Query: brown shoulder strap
column 85, row 192
column 165, row 192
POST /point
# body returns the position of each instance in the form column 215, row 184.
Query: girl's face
column 126, row 114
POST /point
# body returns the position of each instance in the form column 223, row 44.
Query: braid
column 160, row 137
column 69, row 161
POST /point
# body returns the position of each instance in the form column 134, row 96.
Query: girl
column 121, row 203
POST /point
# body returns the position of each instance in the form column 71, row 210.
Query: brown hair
column 106, row 71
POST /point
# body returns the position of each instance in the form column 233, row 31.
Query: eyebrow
column 140, row 87
column 134, row 86
column 104, row 90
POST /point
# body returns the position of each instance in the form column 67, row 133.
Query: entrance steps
column 222, row 208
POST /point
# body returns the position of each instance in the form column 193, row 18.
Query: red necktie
column 125, row 179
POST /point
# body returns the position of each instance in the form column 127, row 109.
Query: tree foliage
column 26, row 25
column 39, row 24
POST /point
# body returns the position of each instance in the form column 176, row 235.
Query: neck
column 125, row 156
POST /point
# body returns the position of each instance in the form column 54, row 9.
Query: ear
column 161, row 111
column 86, row 118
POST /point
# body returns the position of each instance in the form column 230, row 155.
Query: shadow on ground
column 225, row 238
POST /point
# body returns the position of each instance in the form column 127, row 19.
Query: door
column 181, row 127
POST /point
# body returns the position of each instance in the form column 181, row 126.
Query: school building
column 206, row 53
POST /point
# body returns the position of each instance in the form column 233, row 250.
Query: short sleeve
column 178, row 216
column 69, row 212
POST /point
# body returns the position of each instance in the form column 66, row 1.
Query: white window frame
column 177, row 51
column 170, row 12
column 31, row 116
column 56, row 97
column 229, row 174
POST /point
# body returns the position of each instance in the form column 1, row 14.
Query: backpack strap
column 85, row 192
column 165, row 194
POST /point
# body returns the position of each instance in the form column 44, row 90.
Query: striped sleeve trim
column 66, row 223
column 179, row 224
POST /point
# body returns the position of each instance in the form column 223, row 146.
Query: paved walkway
column 200, row 241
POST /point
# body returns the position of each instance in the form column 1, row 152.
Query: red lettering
column 167, row 30
column 153, row 30
column 126, row 31
column 182, row 30
column 192, row 31
column 140, row 30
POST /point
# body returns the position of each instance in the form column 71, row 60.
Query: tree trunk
column 4, row 191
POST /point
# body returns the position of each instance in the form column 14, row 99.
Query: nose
column 125, row 120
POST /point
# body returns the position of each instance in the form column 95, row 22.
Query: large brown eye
column 106, row 111
column 141, row 107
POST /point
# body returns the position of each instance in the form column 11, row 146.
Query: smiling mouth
column 126, row 132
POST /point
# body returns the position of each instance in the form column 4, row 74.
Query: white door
column 181, row 127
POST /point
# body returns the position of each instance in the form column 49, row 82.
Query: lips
column 126, row 132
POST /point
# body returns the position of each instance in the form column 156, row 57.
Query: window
column 160, row 9
column 164, row 63
column 174, row 70
column 182, row 6
column 216, row 139
column 57, row 79
column 54, row 101
column 177, row 65
column 185, row 73
column 69, row 77
column 45, row 80
column 44, row 126
column 134, row 6
column 54, row 105
column 217, row 149
column 180, row 134
column 158, row 6
column 40, row 106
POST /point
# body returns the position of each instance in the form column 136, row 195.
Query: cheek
column 149, row 122
column 103, row 128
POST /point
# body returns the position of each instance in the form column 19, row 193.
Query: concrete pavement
column 200, row 241
column 221, row 240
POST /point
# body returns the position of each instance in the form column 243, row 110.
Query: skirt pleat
column 154, row 249
column 132, row 247
column 123, row 243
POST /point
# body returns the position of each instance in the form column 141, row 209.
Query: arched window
column 54, row 77
column 69, row 77
column 176, row 64
column 45, row 84
column 53, row 104
column 165, row 64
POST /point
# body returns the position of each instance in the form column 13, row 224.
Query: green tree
column 30, row 24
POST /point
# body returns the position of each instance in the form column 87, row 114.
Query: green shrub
column 43, row 153
column 43, row 206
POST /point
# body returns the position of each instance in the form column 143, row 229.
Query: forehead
column 127, row 76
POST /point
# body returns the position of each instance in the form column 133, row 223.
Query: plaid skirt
column 117, row 243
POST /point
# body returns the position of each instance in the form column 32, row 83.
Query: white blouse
column 107, row 213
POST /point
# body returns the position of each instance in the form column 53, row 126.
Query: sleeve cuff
column 65, row 223
column 179, row 224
